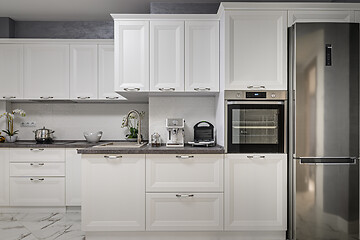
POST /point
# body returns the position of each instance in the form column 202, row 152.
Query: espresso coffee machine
column 176, row 128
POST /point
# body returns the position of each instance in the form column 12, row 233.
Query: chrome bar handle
column 184, row 195
column 328, row 161
column 255, row 156
column 9, row 97
column 202, row 89
column 112, row 157
column 256, row 87
column 37, row 149
column 83, row 98
column 132, row 89
column 39, row 164
column 46, row 97
column 184, row 156
column 37, row 179
column 111, row 98
column 167, row 89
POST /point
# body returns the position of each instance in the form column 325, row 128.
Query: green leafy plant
column 133, row 124
column 10, row 121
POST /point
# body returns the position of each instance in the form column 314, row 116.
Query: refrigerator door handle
column 328, row 161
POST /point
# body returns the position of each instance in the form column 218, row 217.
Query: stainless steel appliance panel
column 326, row 90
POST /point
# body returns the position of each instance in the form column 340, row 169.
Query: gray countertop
column 87, row 148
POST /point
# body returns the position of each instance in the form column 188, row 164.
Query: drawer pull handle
column 184, row 157
column 256, row 156
column 37, row 179
column 9, row 97
column 37, row 149
column 83, row 98
column 48, row 97
column 39, row 164
column 112, row 157
column 184, row 195
column 202, row 89
column 132, row 89
column 112, row 98
column 167, row 89
column 256, row 87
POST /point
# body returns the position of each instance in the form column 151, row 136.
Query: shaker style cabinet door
column 113, row 192
column 256, row 52
column 201, row 56
column 83, row 71
column 46, row 71
column 131, row 56
column 12, row 71
column 320, row 16
column 167, row 56
column 255, row 192
column 4, row 176
column 106, row 73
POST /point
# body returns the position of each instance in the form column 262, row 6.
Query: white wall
column 70, row 120
column 192, row 109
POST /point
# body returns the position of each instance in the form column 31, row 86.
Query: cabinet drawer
column 37, row 169
column 176, row 173
column 37, row 154
column 37, row 191
column 184, row 211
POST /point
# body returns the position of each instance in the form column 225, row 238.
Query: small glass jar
column 155, row 140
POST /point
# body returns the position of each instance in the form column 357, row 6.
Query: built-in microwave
column 256, row 121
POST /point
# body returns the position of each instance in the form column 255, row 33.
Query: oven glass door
column 256, row 127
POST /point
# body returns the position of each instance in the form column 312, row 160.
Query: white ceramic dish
column 93, row 137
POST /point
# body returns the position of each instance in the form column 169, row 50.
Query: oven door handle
column 262, row 102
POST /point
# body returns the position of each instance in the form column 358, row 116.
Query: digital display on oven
column 255, row 94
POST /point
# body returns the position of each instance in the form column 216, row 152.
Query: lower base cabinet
column 113, row 192
column 184, row 211
column 255, row 192
column 37, row 191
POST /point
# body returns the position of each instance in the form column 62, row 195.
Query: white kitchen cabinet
column 256, row 50
column 357, row 16
column 46, row 71
column 37, row 191
column 179, row 172
column 73, row 177
column 83, row 71
column 131, row 55
column 106, row 73
column 201, row 56
column 113, row 192
column 11, row 69
column 319, row 16
column 184, row 211
column 37, row 169
column 37, row 155
column 255, row 192
column 4, row 177
column 167, row 56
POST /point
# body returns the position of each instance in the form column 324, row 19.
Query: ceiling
column 75, row 10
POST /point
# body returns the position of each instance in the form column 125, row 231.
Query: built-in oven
column 256, row 121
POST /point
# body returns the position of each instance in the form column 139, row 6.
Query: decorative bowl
column 93, row 137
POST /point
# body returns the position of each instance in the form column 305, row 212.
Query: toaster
column 204, row 134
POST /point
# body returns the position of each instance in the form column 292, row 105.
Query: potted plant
column 10, row 133
column 132, row 126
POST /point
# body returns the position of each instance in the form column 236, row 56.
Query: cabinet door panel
column 320, row 16
column 46, row 71
column 83, row 71
column 167, row 56
column 4, row 177
column 257, row 50
column 255, row 192
column 113, row 190
column 131, row 55
column 202, row 56
column 73, row 178
column 11, row 69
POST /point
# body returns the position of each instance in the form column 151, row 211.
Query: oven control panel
column 255, row 95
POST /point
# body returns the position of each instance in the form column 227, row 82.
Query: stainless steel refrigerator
column 324, row 131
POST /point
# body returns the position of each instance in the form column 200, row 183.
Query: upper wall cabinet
column 320, row 16
column 106, row 73
column 11, row 69
column 46, row 71
column 202, row 56
column 256, row 50
column 167, row 56
column 131, row 56
column 83, row 71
